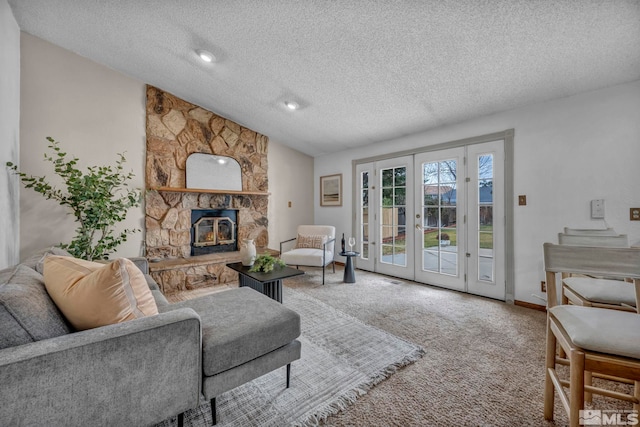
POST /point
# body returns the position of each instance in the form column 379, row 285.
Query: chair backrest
column 319, row 230
column 622, row 263
column 614, row 241
column 591, row 231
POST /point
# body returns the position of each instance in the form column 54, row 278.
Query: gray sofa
column 135, row 373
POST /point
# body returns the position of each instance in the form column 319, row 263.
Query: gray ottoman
column 244, row 335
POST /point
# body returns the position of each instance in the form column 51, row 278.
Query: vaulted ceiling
column 359, row 71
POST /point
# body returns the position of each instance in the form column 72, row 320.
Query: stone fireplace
column 175, row 130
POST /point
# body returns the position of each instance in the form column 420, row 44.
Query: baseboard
column 530, row 305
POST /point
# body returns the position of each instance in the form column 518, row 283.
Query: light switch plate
column 597, row 209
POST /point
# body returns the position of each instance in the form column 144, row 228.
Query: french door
column 441, row 243
column 486, row 236
column 429, row 217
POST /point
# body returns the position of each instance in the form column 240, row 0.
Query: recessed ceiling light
column 292, row 105
column 206, row 56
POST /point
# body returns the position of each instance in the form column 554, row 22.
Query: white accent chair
column 595, row 340
column 314, row 247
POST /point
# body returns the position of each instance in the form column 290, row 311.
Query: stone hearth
column 176, row 129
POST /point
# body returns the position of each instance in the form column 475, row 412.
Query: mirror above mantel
column 213, row 172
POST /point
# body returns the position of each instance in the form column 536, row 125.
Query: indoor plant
column 266, row 263
column 98, row 198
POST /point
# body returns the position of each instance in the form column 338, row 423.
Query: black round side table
column 349, row 270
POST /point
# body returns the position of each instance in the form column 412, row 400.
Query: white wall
column 290, row 180
column 566, row 153
column 9, row 135
column 94, row 112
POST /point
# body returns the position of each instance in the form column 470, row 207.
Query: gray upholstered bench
column 244, row 335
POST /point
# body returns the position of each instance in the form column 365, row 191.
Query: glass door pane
column 486, row 265
column 393, row 219
column 364, row 226
column 440, row 233
column 364, row 216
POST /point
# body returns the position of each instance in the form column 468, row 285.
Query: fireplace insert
column 214, row 230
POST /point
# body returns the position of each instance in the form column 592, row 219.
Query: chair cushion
column 322, row 230
column 603, row 290
column 27, row 313
column 92, row 294
column 601, row 329
column 311, row 241
column 306, row 256
column 240, row 325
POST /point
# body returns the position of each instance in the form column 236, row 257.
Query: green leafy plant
column 266, row 263
column 98, row 198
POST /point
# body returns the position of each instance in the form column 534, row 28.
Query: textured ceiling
column 362, row 71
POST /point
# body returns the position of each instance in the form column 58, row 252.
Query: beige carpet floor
column 484, row 362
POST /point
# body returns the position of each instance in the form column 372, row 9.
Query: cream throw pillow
column 92, row 294
column 311, row 241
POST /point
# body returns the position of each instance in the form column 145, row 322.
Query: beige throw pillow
column 310, row 241
column 92, row 294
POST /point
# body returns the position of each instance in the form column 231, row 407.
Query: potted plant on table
column 266, row 263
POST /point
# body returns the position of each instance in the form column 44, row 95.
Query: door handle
column 419, row 227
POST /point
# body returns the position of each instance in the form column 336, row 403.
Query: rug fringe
column 351, row 396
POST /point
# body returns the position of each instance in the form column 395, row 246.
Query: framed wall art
column 331, row 190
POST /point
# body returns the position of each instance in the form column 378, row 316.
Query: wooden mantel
column 205, row 190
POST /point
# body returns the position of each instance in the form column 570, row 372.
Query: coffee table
column 269, row 284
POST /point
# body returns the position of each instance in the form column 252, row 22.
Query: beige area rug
column 342, row 359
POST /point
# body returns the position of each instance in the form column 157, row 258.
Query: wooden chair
column 612, row 241
column 314, row 247
column 596, row 291
column 601, row 341
column 591, row 231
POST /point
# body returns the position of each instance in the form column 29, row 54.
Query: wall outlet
column 597, row 209
column 543, row 286
column 634, row 214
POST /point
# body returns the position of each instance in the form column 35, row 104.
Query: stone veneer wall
column 176, row 129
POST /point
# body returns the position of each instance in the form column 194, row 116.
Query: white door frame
column 508, row 137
